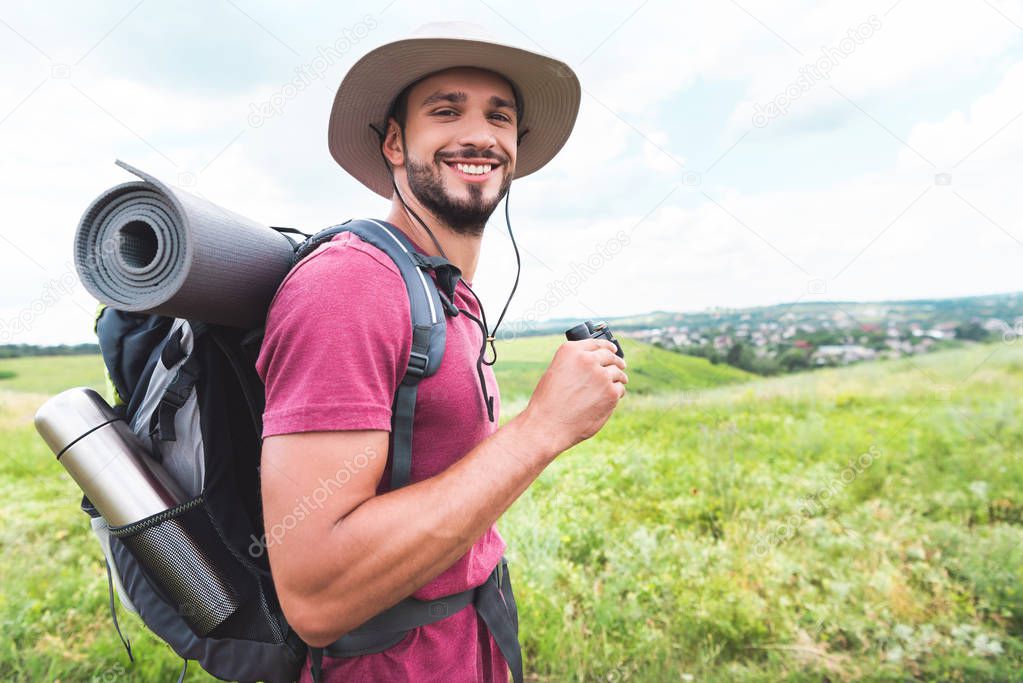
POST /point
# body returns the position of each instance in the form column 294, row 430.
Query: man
column 440, row 126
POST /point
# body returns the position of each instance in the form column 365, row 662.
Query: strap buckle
column 447, row 273
column 177, row 392
column 417, row 364
column 175, row 398
column 420, row 260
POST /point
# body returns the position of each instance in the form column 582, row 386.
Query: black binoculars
column 592, row 330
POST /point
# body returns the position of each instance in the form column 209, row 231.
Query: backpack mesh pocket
column 186, row 560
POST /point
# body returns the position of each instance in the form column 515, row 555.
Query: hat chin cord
column 488, row 337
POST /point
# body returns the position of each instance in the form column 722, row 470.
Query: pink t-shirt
column 338, row 336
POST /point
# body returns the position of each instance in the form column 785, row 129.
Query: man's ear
column 394, row 144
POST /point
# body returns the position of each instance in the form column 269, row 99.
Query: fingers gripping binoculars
column 592, row 330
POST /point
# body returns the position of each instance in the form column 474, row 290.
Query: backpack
column 189, row 389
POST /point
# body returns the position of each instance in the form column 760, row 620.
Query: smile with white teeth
column 473, row 169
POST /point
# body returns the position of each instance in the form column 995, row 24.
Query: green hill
column 521, row 362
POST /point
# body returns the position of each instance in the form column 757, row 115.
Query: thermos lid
column 70, row 415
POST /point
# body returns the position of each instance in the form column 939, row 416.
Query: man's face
column 460, row 144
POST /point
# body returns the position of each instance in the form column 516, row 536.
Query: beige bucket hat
column 549, row 90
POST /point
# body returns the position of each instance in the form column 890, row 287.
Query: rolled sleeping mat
column 147, row 247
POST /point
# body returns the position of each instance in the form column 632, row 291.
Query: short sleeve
column 337, row 341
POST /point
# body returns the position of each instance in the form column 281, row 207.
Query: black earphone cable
column 488, row 337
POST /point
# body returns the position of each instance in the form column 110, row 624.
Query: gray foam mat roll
column 147, row 247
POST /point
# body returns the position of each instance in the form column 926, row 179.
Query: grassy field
column 852, row 524
column 651, row 370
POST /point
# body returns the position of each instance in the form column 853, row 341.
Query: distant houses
column 841, row 354
column 770, row 341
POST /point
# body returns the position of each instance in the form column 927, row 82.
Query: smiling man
column 463, row 186
column 439, row 124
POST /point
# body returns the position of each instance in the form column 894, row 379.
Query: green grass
column 51, row 374
column 861, row 523
column 651, row 370
column 714, row 535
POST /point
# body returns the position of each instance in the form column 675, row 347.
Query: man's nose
column 476, row 132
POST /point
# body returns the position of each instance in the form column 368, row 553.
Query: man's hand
column 578, row 392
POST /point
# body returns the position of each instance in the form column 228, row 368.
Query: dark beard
column 464, row 217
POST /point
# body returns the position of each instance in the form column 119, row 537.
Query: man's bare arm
column 353, row 554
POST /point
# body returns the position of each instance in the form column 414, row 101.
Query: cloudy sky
column 729, row 154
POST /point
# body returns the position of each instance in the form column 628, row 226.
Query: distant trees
column 740, row 356
column 704, row 351
column 744, row 357
column 824, row 337
column 972, row 331
column 794, row 360
column 18, row 350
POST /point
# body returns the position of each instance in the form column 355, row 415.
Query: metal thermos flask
column 107, row 460
column 112, row 466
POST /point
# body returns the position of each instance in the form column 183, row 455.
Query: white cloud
column 688, row 253
column 989, row 132
column 911, row 44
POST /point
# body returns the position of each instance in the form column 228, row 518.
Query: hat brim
column 549, row 89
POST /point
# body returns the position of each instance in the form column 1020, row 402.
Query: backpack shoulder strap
column 180, row 387
column 429, row 330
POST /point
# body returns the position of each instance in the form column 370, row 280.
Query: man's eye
column 444, row 112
